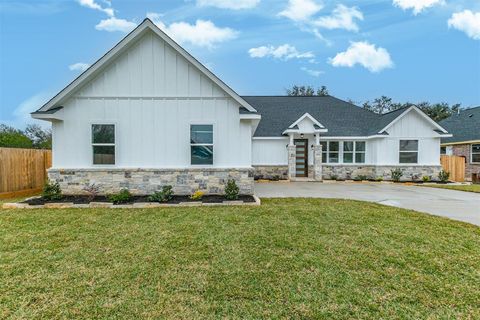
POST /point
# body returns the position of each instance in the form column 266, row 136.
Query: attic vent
column 470, row 115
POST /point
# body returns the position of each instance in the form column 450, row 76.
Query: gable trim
column 147, row 24
column 421, row 113
column 306, row 115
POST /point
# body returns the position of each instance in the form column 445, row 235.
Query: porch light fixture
column 301, row 135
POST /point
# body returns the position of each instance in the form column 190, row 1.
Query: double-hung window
column 475, row 153
column 408, row 151
column 354, row 151
column 103, row 144
column 201, row 144
column 330, row 151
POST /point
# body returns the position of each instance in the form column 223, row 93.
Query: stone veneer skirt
column 147, row 181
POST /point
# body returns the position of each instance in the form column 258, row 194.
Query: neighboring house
column 148, row 114
column 465, row 127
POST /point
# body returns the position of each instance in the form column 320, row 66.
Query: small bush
column 197, row 195
column 426, row 179
column 231, row 190
column 379, row 179
column 360, row 178
column 124, row 196
column 164, row 195
column 276, row 178
column 396, row 174
column 443, row 176
column 92, row 190
column 333, row 177
column 52, row 191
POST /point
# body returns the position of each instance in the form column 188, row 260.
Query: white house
column 148, row 114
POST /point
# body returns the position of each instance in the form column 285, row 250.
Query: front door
column 301, row 161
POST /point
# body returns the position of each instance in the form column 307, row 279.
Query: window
column 443, row 150
column 408, row 151
column 333, row 151
column 201, row 144
column 475, row 153
column 103, row 143
column 354, row 151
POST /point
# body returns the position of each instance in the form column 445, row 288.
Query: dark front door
column 301, row 161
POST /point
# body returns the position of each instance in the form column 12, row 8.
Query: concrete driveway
column 457, row 205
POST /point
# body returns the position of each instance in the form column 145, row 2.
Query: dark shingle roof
column 465, row 126
column 339, row 117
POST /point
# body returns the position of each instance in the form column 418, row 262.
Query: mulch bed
column 79, row 199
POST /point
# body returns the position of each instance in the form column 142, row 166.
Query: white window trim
column 409, row 151
column 472, row 153
column 200, row 123
column 114, row 144
column 354, row 152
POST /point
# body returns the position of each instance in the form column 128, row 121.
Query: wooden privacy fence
column 23, row 171
column 455, row 165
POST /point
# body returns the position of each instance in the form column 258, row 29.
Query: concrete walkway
column 457, row 205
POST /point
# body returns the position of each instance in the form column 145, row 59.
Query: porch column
column 317, row 159
column 292, row 155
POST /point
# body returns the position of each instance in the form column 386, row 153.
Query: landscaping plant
column 231, row 190
column 379, row 179
column 92, row 190
column 425, row 178
column 124, row 196
column 52, row 191
column 443, row 176
column 197, row 195
column 164, row 195
column 396, row 174
column 333, row 177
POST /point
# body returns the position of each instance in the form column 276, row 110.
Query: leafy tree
column 13, row 138
column 309, row 91
column 41, row 139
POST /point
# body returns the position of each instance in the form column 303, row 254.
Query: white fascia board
column 420, row 112
column 459, row 142
column 310, row 117
column 250, row 117
column 270, row 138
column 147, row 24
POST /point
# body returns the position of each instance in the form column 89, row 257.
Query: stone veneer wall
column 271, row 172
column 147, row 181
column 372, row 172
column 463, row 150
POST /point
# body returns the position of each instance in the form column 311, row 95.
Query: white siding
column 270, row 152
column 152, row 94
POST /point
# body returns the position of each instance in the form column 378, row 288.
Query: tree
column 13, row 138
column 381, row 105
column 41, row 139
column 307, row 91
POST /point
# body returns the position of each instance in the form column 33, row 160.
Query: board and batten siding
column 152, row 94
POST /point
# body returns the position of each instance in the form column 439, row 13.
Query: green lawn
column 292, row 258
column 468, row 188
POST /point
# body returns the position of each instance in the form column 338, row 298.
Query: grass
column 290, row 258
column 467, row 188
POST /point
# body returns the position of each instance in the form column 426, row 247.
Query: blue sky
column 410, row 50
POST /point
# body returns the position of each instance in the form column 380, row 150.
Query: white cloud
column 114, row 24
column 301, row 10
column 79, row 66
column 342, row 18
column 417, row 5
column 365, row 54
column 93, row 5
column 283, row 52
column 313, row 73
column 229, row 4
column 203, row 33
column 466, row 21
column 21, row 114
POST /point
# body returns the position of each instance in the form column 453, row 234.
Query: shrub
column 164, row 195
column 124, row 196
column 92, row 190
column 360, row 177
column 396, row 174
column 379, row 179
column 197, row 195
column 443, row 176
column 333, row 177
column 425, row 178
column 52, row 191
column 276, row 178
column 231, row 190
